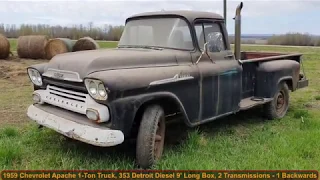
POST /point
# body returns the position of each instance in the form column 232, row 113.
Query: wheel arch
column 288, row 80
column 168, row 101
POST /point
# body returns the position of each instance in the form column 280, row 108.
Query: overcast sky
column 259, row 16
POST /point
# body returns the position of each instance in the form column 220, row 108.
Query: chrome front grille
column 67, row 99
column 77, row 96
column 73, row 86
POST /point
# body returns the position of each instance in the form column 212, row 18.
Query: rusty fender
column 123, row 110
column 271, row 73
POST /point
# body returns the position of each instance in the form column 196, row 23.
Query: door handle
column 229, row 56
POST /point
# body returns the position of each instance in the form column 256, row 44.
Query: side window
column 199, row 33
column 212, row 33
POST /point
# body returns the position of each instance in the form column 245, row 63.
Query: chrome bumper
column 98, row 136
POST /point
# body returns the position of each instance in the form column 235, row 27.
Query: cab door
column 220, row 73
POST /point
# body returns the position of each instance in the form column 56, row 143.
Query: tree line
column 295, row 39
column 113, row 33
column 107, row 32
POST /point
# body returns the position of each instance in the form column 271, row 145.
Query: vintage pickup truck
column 167, row 64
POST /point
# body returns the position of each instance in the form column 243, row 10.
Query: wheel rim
column 280, row 103
column 159, row 139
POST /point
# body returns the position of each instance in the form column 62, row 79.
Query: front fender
column 40, row 67
column 135, row 78
column 124, row 110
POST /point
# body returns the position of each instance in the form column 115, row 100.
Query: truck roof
column 189, row 15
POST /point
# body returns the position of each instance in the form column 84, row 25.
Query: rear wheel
column 278, row 107
column 150, row 140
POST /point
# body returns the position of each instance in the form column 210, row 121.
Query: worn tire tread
column 146, row 135
column 270, row 109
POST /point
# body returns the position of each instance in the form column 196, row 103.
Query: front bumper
column 302, row 83
column 74, row 126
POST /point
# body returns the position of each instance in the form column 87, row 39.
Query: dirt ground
column 15, row 89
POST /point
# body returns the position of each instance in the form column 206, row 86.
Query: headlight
column 96, row 89
column 102, row 90
column 92, row 88
column 35, row 76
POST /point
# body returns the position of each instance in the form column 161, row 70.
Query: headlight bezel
column 97, row 83
column 35, row 76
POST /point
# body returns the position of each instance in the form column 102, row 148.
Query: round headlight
column 96, row 89
column 101, row 90
column 39, row 80
column 35, row 76
column 92, row 88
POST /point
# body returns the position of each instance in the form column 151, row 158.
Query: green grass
column 107, row 44
column 241, row 141
column 13, row 44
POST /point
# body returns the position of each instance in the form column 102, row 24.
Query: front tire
column 278, row 107
column 150, row 140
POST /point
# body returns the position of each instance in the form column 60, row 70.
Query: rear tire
column 150, row 140
column 278, row 107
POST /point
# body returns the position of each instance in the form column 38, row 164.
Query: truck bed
column 267, row 56
column 251, row 61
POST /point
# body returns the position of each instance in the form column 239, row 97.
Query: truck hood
column 86, row 62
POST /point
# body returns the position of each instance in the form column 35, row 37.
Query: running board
column 250, row 102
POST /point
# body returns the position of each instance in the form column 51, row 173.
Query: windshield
column 157, row 32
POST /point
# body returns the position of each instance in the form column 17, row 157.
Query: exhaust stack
column 225, row 12
column 237, row 37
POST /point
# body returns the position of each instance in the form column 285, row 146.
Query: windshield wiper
column 150, row 47
column 143, row 47
column 126, row 46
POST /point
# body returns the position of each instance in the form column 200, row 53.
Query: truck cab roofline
column 189, row 15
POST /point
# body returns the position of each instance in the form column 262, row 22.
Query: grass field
column 241, row 141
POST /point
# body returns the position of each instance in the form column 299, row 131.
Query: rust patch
column 72, row 134
column 253, row 55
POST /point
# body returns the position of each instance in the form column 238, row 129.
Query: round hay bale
column 85, row 43
column 4, row 47
column 32, row 46
column 58, row 46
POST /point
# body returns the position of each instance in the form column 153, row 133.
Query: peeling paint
column 102, row 136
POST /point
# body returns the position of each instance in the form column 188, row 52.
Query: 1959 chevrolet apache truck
column 167, row 63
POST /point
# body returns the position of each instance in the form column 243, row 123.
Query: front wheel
column 278, row 107
column 150, row 140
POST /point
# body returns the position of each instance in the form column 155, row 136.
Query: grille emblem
column 58, row 75
column 63, row 74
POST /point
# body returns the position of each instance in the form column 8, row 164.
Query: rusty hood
column 87, row 62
